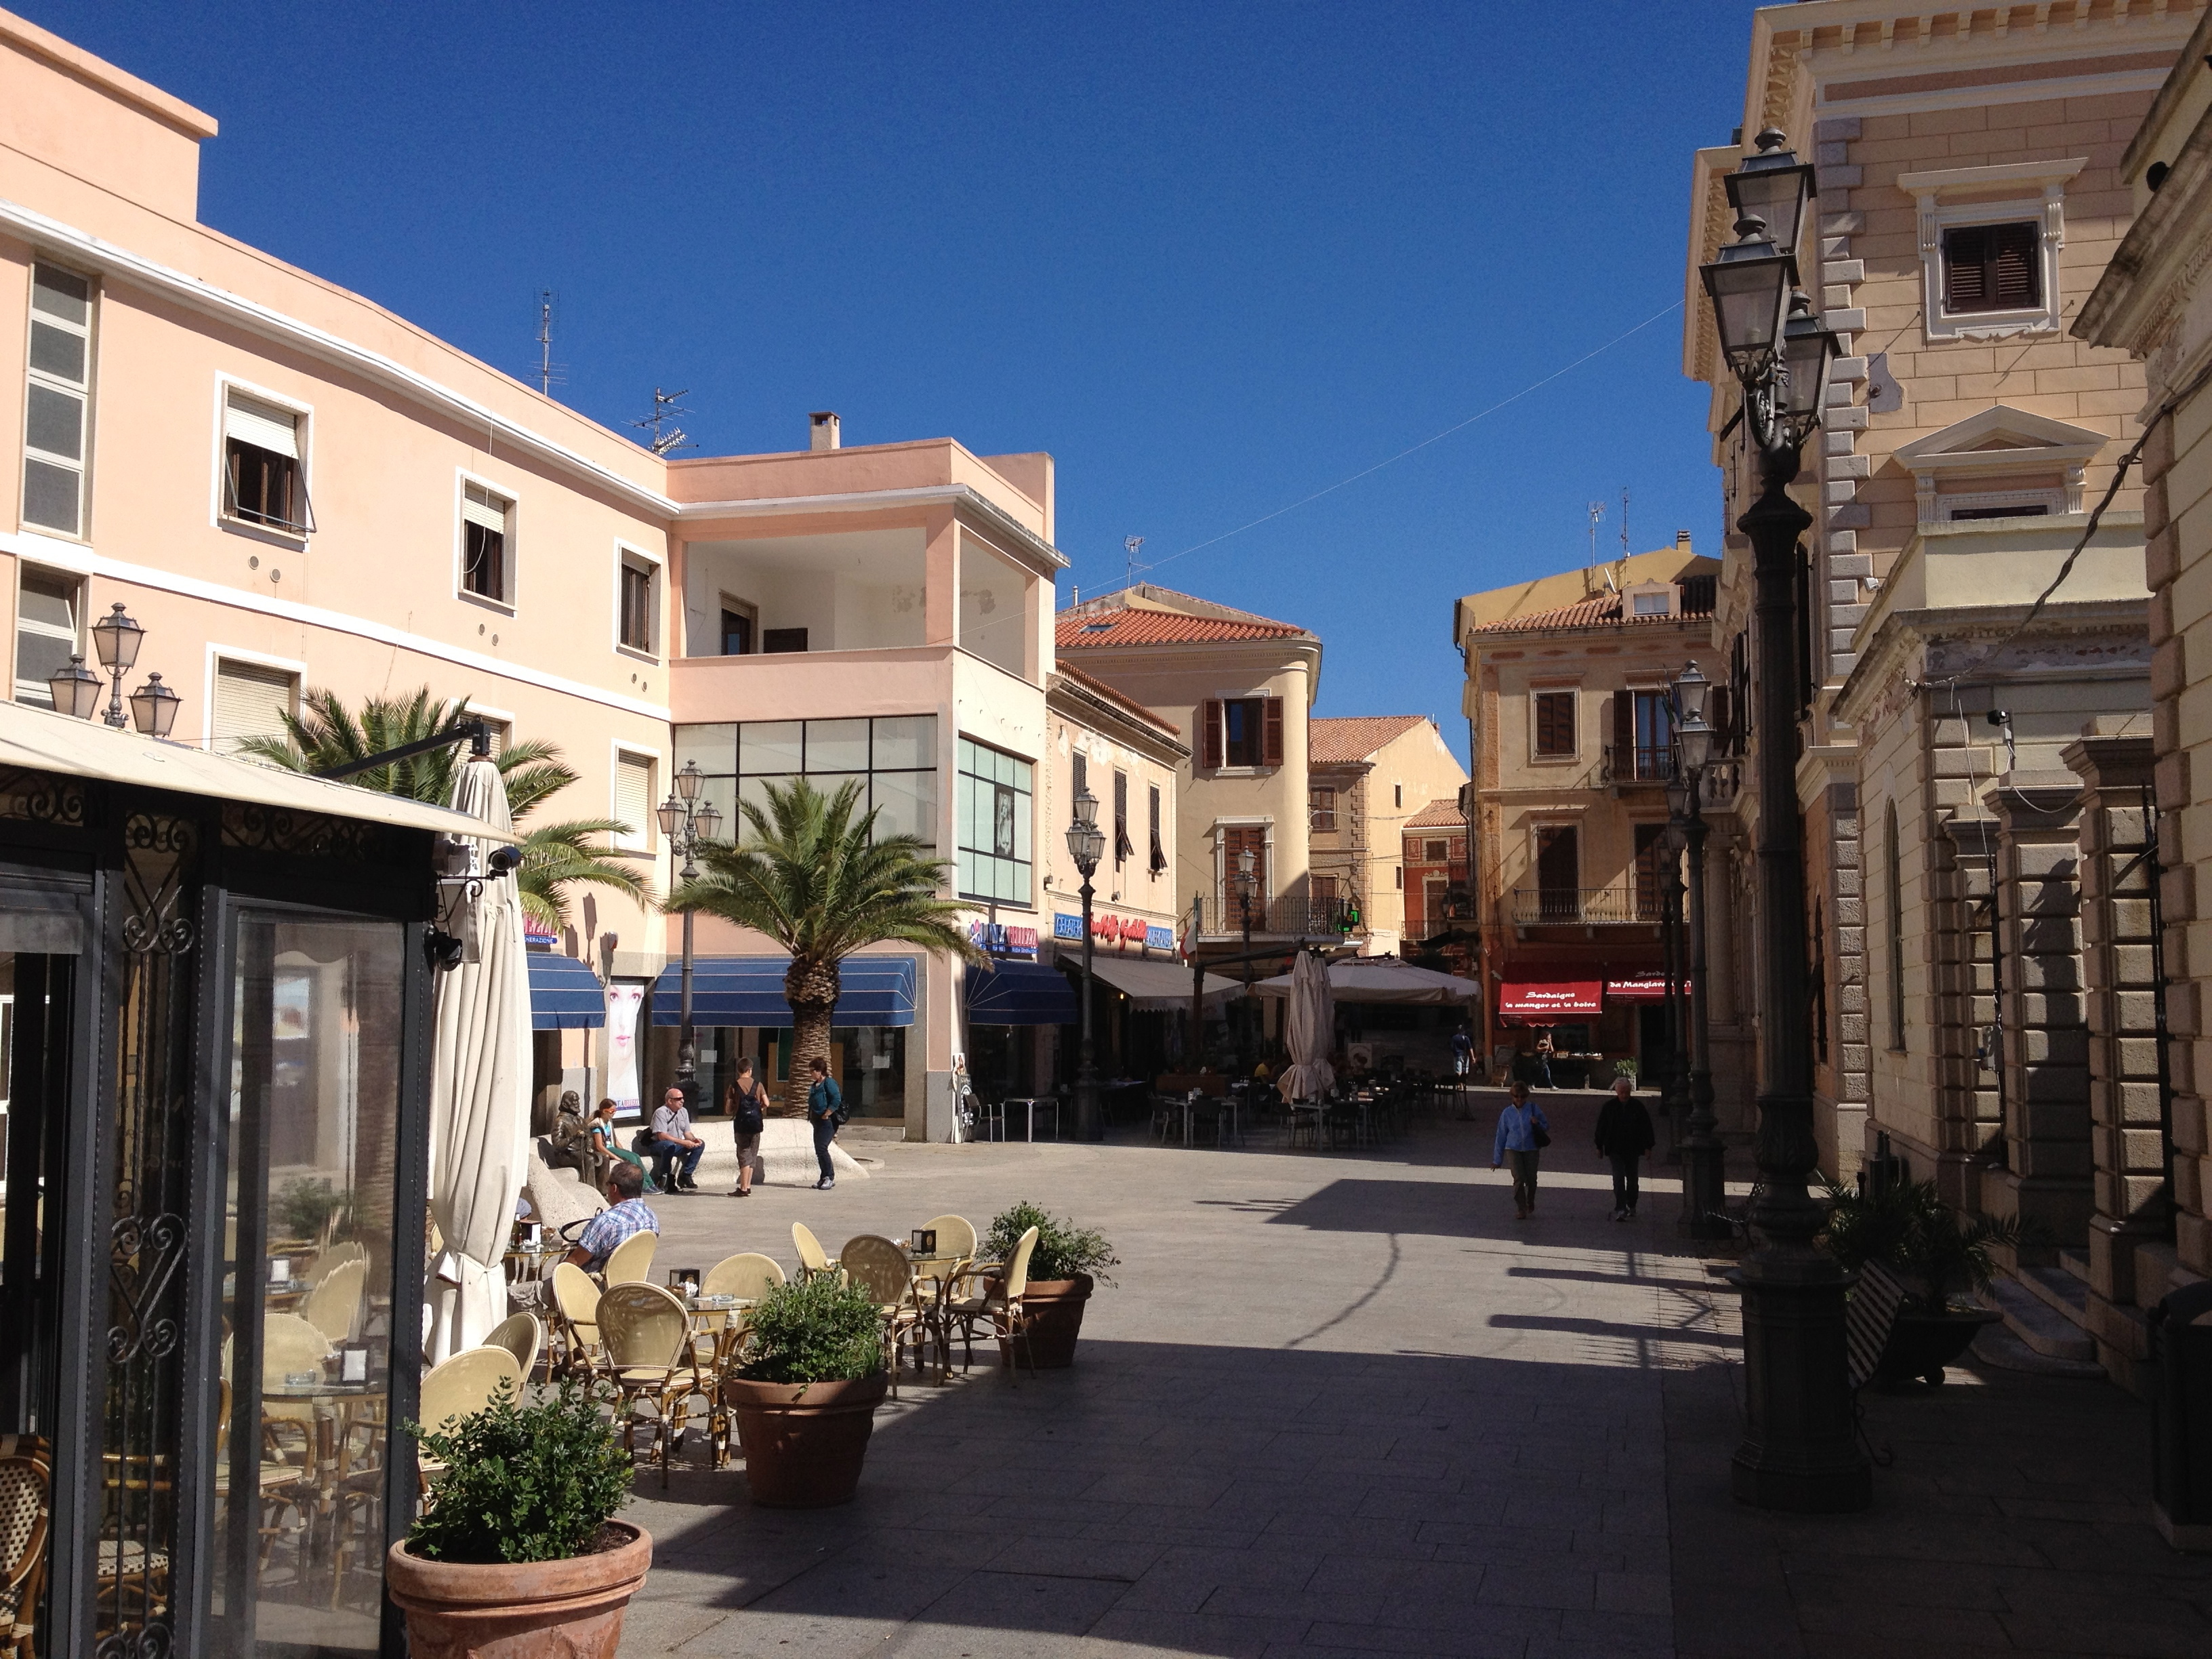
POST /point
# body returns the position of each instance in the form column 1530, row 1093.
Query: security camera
column 503, row 860
column 1999, row 717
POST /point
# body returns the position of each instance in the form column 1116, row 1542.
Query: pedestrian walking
column 1463, row 1048
column 1523, row 1132
column 1623, row 1135
column 746, row 1102
column 1544, row 1048
column 825, row 1109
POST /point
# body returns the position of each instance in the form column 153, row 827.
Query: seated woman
column 607, row 1149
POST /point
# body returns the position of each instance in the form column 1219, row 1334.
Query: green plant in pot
column 1065, row 1264
column 805, row 1398
column 517, row 1543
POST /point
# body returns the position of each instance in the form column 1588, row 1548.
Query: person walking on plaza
column 1544, row 1047
column 1623, row 1135
column 676, row 1150
column 1523, row 1132
column 746, row 1102
column 625, row 1215
column 1462, row 1048
column 825, row 1109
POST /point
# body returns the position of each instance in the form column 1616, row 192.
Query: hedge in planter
column 806, row 1399
column 518, row 1542
column 1064, row 1265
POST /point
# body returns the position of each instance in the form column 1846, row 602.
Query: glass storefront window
column 308, row 1234
column 892, row 757
column 993, row 824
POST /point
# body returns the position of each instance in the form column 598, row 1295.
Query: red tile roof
column 1078, row 630
column 1098, row 688
column 1341, row 740
column 1696, row 601
column 1437, row 815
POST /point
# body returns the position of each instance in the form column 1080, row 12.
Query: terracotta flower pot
column 1921, row 1344
column 569, row 1609
column 803, row 1442
column 1055, row 1309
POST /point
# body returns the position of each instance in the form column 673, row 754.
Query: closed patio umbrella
column 479, row 1089
column 1311, row 1015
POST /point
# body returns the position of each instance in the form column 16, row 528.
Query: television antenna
column 550, row 373
column 1596, row 517
column 1129, row 545
column 1623, row 524
column 666, row 438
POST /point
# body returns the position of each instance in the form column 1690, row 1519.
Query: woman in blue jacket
column 1522, row 1132
column 825, row 1110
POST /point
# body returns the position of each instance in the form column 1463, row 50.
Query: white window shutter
column 263, row 425
column 250, row 702
column 479, row 506
column 634, row 798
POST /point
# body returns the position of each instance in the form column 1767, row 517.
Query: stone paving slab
column 1345, row 1404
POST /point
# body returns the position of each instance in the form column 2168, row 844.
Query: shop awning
column 1540, row 1002
column 565, row 994
column 1382, row 979
column 1153, row 987
column 749, row 991
column 1641, row 987
column 1020, row 993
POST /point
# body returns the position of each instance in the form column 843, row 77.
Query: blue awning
column 565, row 994
column 749, row 991
column 1020, row 993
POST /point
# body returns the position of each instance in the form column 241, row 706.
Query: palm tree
column 814, row 877
column 326, row 732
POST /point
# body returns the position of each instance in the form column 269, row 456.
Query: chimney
column 1682, row 541
column 822, row 430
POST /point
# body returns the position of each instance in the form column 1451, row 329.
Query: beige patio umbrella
column 479, row 1085
column 1311, row 1017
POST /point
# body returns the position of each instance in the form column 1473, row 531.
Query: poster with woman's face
column 1002, row 822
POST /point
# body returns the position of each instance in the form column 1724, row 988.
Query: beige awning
column 1153, row 987
column 39, row 740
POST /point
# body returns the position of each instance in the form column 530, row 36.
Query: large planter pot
column 803, row 1442
column 1055, row 1310
column 1921, row 1344
column 570, row 1609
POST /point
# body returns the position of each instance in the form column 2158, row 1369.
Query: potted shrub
column 1066, row 1264
column 806, row 1399
column 517, row 1551
column 1909, row 1228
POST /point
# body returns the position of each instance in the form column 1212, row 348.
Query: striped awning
column 565, row 994
column 749, row 991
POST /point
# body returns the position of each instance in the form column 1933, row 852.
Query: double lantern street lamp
column 688, row 823
column 1086, row 845
column 76, row 688
column 1704, row 1189
column 1799, row 1451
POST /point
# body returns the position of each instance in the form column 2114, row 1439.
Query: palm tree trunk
column 811, row 988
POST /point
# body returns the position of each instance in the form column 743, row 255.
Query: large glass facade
column 892, row 757
column 991, row 817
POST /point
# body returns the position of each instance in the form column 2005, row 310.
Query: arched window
column 1893, row 876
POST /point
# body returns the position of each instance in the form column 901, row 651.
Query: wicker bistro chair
column 648, row 1338
column 813, row 1258
column 336, row 1256
column 25, row 1512
column 454, row 1388
column 629, row 1262
column 333, row 1306
column 521, row 1335
column 881, row 1267
column 576, row 1303
column 1000, row 1310
column 748, row 1276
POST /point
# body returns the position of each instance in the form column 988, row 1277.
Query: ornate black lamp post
column 1674, row 1087
column 76, row 689
column 1247, row 884
column 688, row 823
column 1086, row 845
column 1799, row 1450
column 1705, row 1179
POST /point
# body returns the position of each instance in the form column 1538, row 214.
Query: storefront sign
column 1067, row 926
column 1642, row 987
column 1158, row 938
column 1540, row 1000
column 1001, row 940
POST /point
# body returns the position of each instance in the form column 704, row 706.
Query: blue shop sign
column 1068, row 928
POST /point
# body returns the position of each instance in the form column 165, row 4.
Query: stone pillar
column 1962, row 1006
column 2134, row 1209
column 2047, row 1174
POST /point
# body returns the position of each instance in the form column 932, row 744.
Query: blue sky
column 1214, row 258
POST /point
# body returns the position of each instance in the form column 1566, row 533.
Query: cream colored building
column 1370, row 773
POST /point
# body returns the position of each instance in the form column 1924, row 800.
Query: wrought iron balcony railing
column 1579, row 907
column 1278, row 918
column 1637, row 764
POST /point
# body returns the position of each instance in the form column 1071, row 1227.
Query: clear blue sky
column 1214, row 258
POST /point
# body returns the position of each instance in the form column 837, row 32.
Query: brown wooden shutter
column 1213, row 733
column 1717, row 716
column 1992, row 268
column 1081, row 774
column 1272, row 754
column 1624, row 728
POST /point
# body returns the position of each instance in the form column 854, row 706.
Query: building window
column 740, row 626
column 1244, row 731
column 1436, row 852
column 1650, row 850
column 1323, row 889
column 487, row 534
column 778, row 640
column 55, row 428
column 263, row 484
column 1082, row 772
column 1992, row 268
column 993, row 824
column 1652, row 605
column 1398, row 877
column 1235, row 843
column 1555, row 725
column 634, row 802
column 1321, row 809
column 1558, row 872
column 892, row 757
column 1159, row 855
column 251, row 701
column 1398, row 796
column 1124, row 848
column 48, row 608
column 636, row 618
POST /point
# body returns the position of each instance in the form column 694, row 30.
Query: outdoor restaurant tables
column 1030, row 1104
column 942, row 1269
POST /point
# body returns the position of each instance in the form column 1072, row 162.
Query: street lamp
column 688, row 823
column 1705, row 1172
column 76, row 689
column 154, row 707
column 117, row 639
column 1086, row 845
column 1247, row 884
column 1675, row 1085
column 1799, row 1449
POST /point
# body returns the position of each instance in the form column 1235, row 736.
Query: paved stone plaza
column 1344, row 1403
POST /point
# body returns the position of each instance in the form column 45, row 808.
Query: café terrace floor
column 1344, row 1403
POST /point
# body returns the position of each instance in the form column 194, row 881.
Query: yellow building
column 1370, row 773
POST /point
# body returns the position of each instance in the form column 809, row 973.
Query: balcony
column 1580, row 907
column 1275, row 918
column 1636, row 765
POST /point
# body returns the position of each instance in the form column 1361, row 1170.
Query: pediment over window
column 2001, row 457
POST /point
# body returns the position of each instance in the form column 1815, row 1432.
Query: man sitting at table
column 625, row 1215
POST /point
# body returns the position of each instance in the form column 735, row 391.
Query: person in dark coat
column 1623, row 1135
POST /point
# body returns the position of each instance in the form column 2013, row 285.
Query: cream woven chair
column 955, row 1234
column 336, row 1256
column 629, row 1262
column 26, row 1510
column 813, row 1258
column 466, row 1382
column 521, row 1335
column 647, row 1336
column 1000, row 1310
column 576, row 1300
column 333, row 1305
column 749, row 1276
column 881, row 1268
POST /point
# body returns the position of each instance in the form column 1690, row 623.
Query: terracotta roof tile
column 1697, row 599
column 1078, row 630
column 1345, row 739
column 1437, row 815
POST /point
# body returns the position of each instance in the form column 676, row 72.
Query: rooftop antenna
column 1129, row 545
column 666, row 438
column 1624, row 523
column 550, row 373
column 1589, row 568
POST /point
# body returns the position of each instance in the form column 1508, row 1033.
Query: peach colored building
column 1368, row 775
column 289, row 487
